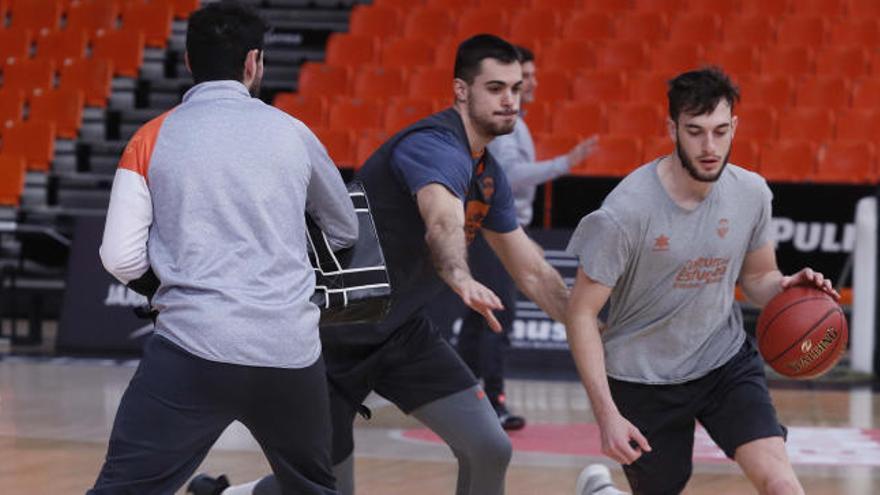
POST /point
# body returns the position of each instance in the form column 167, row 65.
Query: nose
column 709, row 144
column 508, row 98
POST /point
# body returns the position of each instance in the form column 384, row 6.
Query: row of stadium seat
column 93, row 15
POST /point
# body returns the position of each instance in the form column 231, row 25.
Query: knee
column 782, row 485
column 490, row 452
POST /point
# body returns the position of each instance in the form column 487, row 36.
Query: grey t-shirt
column 673, row 317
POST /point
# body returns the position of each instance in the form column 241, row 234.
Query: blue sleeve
column 432, row 156
column 502, row 213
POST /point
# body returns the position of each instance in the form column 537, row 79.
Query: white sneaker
column 595, row 479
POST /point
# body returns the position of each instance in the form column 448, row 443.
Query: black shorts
column 732, row 403
column 412, row 367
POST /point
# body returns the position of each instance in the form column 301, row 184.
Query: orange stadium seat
column 14, row 43
column 580, row 118
column 365, row 145
column 551, row 145
column 725, row 8
column 404, row 111
column 352, row 50
column 788, row 160
column 535, row 25
column 321, row 79
column 93, row 76
column 64, row 107
column 554, row 86
column 773, row 9
column 616, row 156
column 62, row 45
column 737, row 59
column 856, row 31
column 30, row 76
column 701, row 28
column 589, row 26
column 858, row 124
column 482, row 20
column 674, row 58
column 431, row 83
column 375, row 20
column 824, row 8
column 34, row 140
column 568, row 55
column 802, row 30
column 847, row 162
column 746, row 153
column 863, row 9
column 621, row 55
column 655, row 147
column 339, row 143
column 93, row 16
column 788, row 60
column 636, row 120
column 380, row 83
column 355, row 114
column 444, row 53
column 845, row 61
column 153, row 18
column 649, row 27
column 428, row 23
column 609, row 6
column 811, row 124
column 36, row 15
column 125, row 48
column 537, row 115
column 754, row 30
column 756, row 122
column 559, row 5
column 506, row 4
column 310, row 109
column 649, row 87
column 11, row 108
column 12, row 175
column 824, row 91
column 183, row 8
column 407, row 53
column 866, row 93
column 451, row 5
column 668, row 7
column 600, row 86
column 773, row 91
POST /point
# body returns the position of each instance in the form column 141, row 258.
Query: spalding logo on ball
column 802, row 332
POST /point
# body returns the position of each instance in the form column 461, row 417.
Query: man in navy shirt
column 432, row 188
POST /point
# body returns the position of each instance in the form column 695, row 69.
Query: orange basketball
column 802, row 332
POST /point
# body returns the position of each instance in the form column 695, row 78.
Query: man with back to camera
column 208, row 205
column 667, row 247
column 432, row 187
column 479, row 346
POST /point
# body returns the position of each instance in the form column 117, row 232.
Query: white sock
column 245, row 489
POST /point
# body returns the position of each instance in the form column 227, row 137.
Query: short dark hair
column 219, row 37
column 525, row 55
column 698, row 92
column 473, row 50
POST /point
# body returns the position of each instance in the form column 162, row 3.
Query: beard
column 692, row 170
column 486, row 125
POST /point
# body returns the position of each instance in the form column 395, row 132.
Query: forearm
column 546, row 288
column 761, row 288
column 446, row 242
column 589, row 357
column 530, row 174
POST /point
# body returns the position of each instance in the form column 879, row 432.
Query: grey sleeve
column 521, row 172
column 327, row 200
column 601, row 246
column 761, row 231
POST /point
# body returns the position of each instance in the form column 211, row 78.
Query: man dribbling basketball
column 667, row 246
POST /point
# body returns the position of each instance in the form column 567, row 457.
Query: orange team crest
column 723, row 227
column 661, row 243
column 487, row 185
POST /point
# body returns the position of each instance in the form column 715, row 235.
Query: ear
column 460, row 89
column 251, row 66
column 186, row 62
column 670, row 127
column 733, row 123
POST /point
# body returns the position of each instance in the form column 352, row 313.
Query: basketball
column 802, row 332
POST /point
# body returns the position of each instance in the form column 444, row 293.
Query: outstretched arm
column 761, row 279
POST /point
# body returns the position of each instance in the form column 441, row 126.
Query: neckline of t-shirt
column 656, row 174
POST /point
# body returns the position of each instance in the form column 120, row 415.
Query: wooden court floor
column 55, row 417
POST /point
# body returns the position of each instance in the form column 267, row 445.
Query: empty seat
column 600, row 86
column 559, row 5
column 310, row 109
column 339, row 144
column 773, row 91
column 429, row 23
column 14, row 43
column 649, row 87
column 320, row 79
column 788, row 60
column 34, row 140
column 537, row 116
column 374, row 20
column 483, row 20
column 656, row 147
column 737, row 59
column 636, row 120
column 648, row 27
column 450, row 4
column 788, row 160
column 431, row 83
column 725, row 8
column 535, row 25
column 379, row 83
column 554, row 86
column 608, row 6
column 93, row 16
column 407, row 53
column 153, row 18
column 12, row 175
column 11, row 108
column 745, row 153
column 64, row 107
column 36, row 15
column 811, row 124
column 756, row 122
column 403, row 112
column 674, row 58
column 615, row 156
column 866, row 93
column 551, row 145
column 506, row 4
column 92, row 76
column 355, row 114
column 125, row 48
column 183, row 8
column 824, row 8
column 365, row 145
column 701, row 28
column 568, row 55
column 579, row 118
column 802, row 30
column 825, row 92
column 773, row 9
column 843, row 61
column 856, row 31
column 30, row 76
column 668, row 7
column 853, row 162
column 752, row 30
column 62, row 45
column 588, row 26
column 621, row 55
column 864, row 9
column 352, row 50
column 858, row 124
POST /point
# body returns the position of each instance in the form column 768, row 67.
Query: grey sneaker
column 595, row 479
